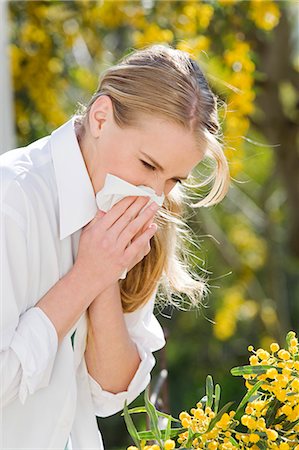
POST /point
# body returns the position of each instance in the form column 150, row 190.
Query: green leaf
column 272, row 411
column 246, row 398
column 290, row 335
column 279, row 419
column 209, row 391
column 149, row 435
column 167, row 430
column 138, row 409
column 234, row 442
column 142, row 409
column 253, row 370
column 290, row 425
column 218, row 416
column 262, row 445
column 190, row 438
column 153, row 415
column 257, row 370
column 131, row 427
column 217, row 398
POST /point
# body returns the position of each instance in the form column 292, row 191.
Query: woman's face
column 157, row 154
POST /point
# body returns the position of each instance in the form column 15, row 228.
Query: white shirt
column 46, row 392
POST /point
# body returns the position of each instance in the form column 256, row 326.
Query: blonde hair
column 166, row 82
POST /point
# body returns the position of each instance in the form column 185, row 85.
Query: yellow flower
column 281, row 395
column 204, row 14
column 293, row 342
column 262, row 354
column 253, row 360
column 224, row 421
column 265, row 14
column 286, row 371
column 282, row 385
column 274, row 347
column 195, row 442
column 186, row 422
column 169, row 444
column 254, row 438
column 284, row 446
column 284, row 354
column 199, row 413
column 213, row 445
column 152, row 34
column 272, row 435
column 184, row 415
column 271, row 373
column 287, row 410
column 295, row 384
column 248, row 421
column 227, row 2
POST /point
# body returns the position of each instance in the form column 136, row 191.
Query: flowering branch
column 266, row 418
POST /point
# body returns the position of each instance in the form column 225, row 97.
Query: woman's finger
column 137, row 224
column 129, row 215
column 134, row 249
column 148, row 223
column 117, row 211
column 140, row 256
column 98, row 216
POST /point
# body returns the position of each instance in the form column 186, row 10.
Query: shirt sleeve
column 146, row 332
column 28, row 339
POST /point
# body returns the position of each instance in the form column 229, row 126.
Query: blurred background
column 52, row 54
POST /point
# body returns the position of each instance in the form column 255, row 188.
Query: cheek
column 127, row 169
column 117, row 164
column 126, row 174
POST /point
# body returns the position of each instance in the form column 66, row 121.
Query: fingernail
column 153, row 228
column 154, row 206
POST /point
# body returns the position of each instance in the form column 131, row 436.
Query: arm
column 28, row 340
column 29, row 336
column 67, row 300
column 114, row 365
column 144, row 330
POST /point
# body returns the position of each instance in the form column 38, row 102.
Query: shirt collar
column 77, row 202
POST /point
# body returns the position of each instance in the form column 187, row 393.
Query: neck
column 85, row 145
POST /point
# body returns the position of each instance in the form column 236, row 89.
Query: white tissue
column 115, row 189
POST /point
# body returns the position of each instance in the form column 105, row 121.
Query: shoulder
column 18, row 163
column 22, row 171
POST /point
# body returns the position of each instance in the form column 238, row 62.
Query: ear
column 100, row 112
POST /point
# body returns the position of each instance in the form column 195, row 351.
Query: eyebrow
column 183, row 178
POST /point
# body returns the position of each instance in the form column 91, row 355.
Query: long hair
column 165, row 82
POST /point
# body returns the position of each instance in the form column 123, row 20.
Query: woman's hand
column 115, row 241
column 147, row 247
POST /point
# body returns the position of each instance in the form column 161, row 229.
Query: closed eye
column 149, row 166
column 153, row 168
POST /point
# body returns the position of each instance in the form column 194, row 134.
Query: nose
column 158, row 187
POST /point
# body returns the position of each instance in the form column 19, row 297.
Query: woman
column 151, row 121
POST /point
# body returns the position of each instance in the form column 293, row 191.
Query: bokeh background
column 249, row 244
